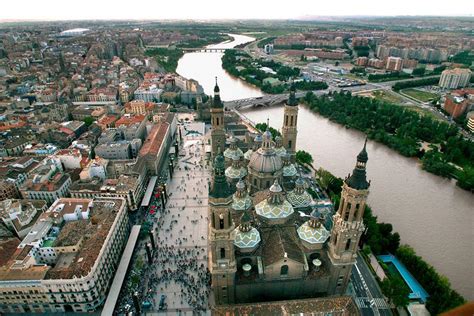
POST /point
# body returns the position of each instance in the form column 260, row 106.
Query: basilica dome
column 265, row 159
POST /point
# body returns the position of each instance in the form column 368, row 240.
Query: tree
column 304, row 157
column 88, row 121
column 419, row 71
column 263, row 127
column 396, row 290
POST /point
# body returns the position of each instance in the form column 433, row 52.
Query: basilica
column 267, row 239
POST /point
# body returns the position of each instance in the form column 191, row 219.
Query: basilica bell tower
column 221, row 250
column 290, row 117
column 217, row 123
column 348, row 225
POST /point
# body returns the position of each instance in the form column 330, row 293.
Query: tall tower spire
column 348, row 224
column 290, row 117
column 221, row 246
column 217, row 122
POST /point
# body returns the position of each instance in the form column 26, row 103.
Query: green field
column 386, row 96
column 420, row 95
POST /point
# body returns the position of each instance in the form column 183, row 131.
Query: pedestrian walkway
column 180, row 279
column 365, row 302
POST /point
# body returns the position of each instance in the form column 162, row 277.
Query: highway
column 367, row 294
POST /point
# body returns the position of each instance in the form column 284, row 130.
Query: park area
column 420, row 95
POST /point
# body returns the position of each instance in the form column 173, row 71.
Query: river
column 431, row 214
column 204, row 67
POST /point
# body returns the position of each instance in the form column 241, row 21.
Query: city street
column 367, row 294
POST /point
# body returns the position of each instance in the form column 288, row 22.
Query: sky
column 222, row 9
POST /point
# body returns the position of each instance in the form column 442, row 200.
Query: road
column 367, row 294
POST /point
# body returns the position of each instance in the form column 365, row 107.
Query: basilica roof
column 279, row 243
column 299, row 197
column 313, row 234
column 280, row 151
column 241, row 199
column 235, row 172
column 246, row 239
column 248, row 154
column 266, row 161
column 290, row 171
column 275, row 206
column 231, row 153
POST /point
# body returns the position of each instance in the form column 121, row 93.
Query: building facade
column 78, row 277
column 455, row 78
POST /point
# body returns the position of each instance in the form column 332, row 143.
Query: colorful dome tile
column 299, row 199
column 313, row 234
column 290, row 171
column 273, row 211
column 246, row 239
column 233, row 172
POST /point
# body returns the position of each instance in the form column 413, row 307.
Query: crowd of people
column 178, row 279
column 181, row 267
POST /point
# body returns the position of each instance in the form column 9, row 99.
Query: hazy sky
column 223, row 9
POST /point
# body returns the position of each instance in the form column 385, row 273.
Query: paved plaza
column 180, row 270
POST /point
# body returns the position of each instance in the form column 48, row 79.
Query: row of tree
column 415, row 83
column 403, row 130
column 388, row 76
column 442, row 296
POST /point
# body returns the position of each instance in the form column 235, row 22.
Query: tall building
column 470, row 121
column 394, row 63
column 221, row 227
column 217, row 122
column 348, row 225
column 455, row 78
column 289, row 130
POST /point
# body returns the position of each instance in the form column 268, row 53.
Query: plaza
column 178, row 280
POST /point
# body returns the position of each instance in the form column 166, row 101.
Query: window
column 284, row 270
column 222, row 253
column 289, row 144
column 217, row 120
column 221, row 222
column 292, row 121
column 348, row 244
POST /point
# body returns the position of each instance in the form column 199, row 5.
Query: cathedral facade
column 267, row 240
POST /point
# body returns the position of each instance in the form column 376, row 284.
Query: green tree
column 304, row 157
column 263, row 127
column 88, row 121
column 396, row 290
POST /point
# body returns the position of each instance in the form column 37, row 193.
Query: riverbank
column 270, row 76
column 449, row 155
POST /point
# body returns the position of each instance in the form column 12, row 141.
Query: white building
column 70, row 158
column 148, row 93
column 84, row 263
column 96, row 168
column 455, row 78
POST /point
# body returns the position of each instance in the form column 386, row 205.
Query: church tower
column 290, row 117
column 348, row 225
column 221, row 229
column 217, row 123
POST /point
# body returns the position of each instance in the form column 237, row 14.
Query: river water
column 204, row 67
column 431, row 214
